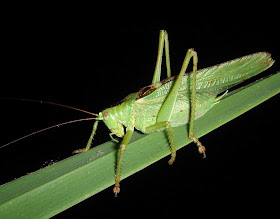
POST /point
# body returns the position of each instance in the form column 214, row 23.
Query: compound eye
column 106, row 116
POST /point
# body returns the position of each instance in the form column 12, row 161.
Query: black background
column 92, row 61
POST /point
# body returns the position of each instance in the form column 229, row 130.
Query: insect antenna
column 50, row 103
column 45, row 129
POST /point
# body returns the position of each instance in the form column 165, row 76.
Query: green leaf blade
column 53, row 189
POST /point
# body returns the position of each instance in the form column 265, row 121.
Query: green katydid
column 175, row 101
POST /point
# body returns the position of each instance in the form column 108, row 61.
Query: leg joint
column 167, row 124
column 123, row 146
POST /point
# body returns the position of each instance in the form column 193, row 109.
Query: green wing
column 223, row 76
column 215, row 79
column 210, row 82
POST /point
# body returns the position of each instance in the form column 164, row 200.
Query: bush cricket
column 175, row 101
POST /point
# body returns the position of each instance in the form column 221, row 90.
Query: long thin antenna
column 41, row 130
column 51, row 103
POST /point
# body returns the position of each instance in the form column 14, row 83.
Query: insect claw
column 202, row 150
column 170, row 162
column 172, row 159
column 116, row 190
column 79, row 151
